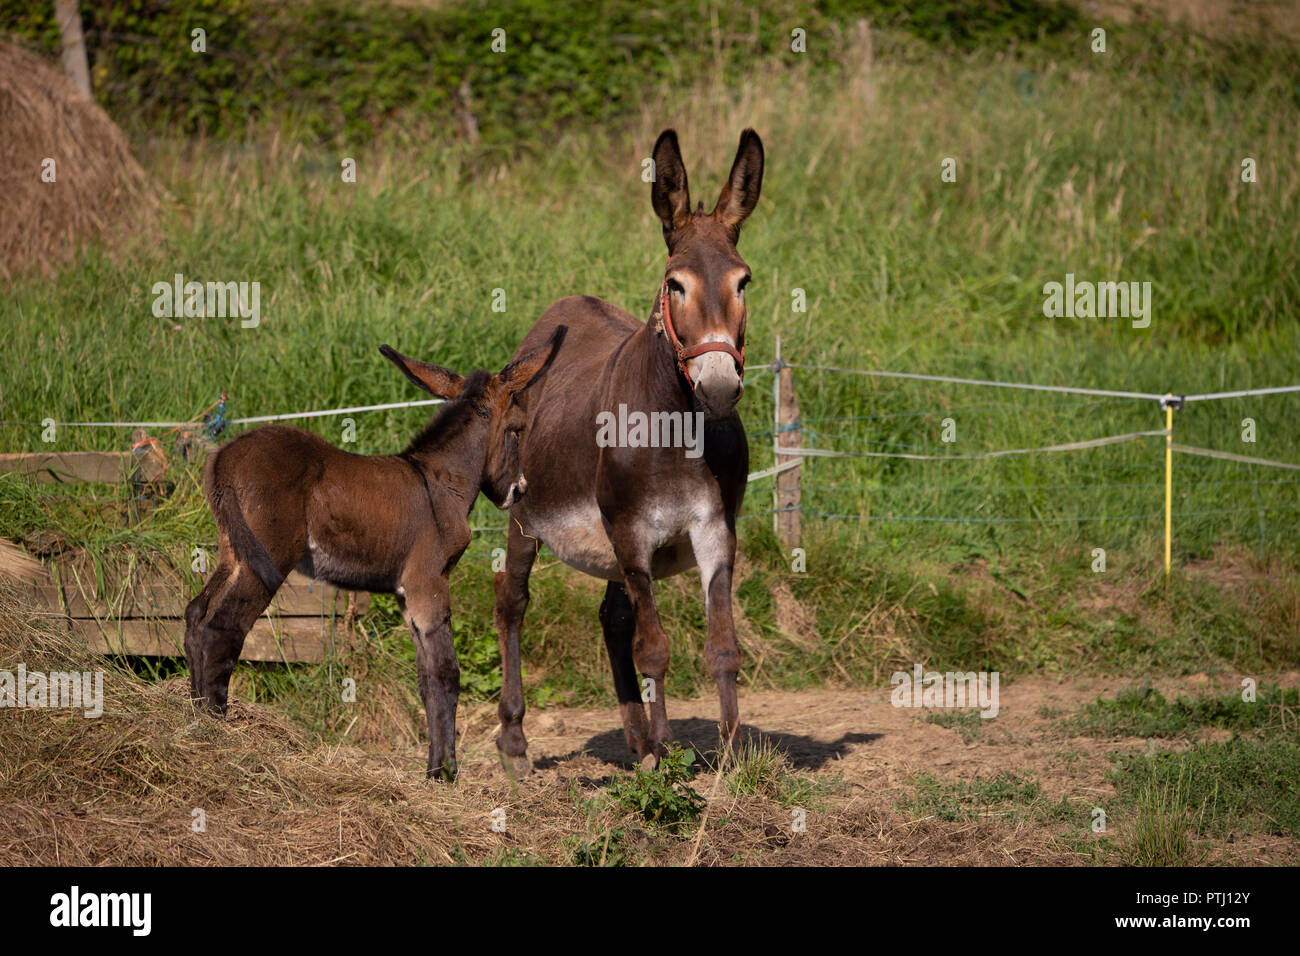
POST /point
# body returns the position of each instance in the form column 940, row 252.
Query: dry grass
column 99, row 188
column 123, row 788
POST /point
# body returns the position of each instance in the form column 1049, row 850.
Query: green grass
column 761, row 769
column 1160, row 831
column 963, row 565
column 1143, row 711
column 1001, row 796
column 608, row 847
column 1242, row 785
column 1210, row 788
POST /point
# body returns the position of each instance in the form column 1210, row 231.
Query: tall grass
column 1117, row 167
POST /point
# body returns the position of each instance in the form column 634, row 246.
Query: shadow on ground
column 701, row 735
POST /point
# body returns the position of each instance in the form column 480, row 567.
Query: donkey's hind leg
column 216, row 630
column 631, row 539
column 195, row 612
column 618, row 620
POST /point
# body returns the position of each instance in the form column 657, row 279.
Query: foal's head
column 706, row 277
column 490, row 400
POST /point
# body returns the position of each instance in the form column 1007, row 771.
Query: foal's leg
column 714, row 543
column 215, row 637
column 195, row 612
column 650, row 645
column 618, row 620
column 511, row 587
column 427, row 606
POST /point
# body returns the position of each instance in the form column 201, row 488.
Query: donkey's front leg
column 650, row 646
column 714, row 543
column 428, row 613
column 511, row 589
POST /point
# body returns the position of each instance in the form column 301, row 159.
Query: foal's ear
column 740, row 193
column 523, row 371
column 434, row 379
column 669, row 194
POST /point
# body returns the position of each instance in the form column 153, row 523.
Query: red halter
column 684, row 353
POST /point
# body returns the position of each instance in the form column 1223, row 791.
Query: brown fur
column 632, row 514
column 286, row 498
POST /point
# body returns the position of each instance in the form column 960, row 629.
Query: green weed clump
column 662, row 797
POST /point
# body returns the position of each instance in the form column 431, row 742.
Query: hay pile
column 121, row 789
column 99, row 188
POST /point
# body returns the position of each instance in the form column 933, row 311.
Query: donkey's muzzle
column 717, row 384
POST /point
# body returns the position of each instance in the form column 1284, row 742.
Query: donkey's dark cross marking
column 285, row 498
column 633, row 514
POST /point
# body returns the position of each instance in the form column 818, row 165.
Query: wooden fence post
column 788, row 435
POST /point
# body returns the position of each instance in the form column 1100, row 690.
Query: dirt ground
column 875, row 784
column 874, row 752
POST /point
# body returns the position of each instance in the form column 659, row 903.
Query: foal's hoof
column 516, row 768
column 650, row 761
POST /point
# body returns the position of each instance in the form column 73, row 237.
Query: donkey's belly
column 345, row 571
column 577, row 536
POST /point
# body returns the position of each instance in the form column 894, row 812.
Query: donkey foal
column 285, row 498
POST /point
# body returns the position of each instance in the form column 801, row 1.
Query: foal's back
column 300, row 496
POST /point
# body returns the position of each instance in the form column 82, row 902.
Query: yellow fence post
column 1169, row 481
column 1169, row 403
column 776, row 436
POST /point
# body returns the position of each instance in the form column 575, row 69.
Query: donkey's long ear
column 669, row 194
column 434, row 379
column 523, row 371
column 740, row 194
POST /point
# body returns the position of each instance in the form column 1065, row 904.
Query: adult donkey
column 630, row 515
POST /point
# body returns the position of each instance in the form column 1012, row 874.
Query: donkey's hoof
column 516, row 768
column 650, row 761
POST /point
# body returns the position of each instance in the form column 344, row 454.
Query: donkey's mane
column 454, row 416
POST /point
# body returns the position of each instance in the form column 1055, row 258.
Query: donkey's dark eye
column 675, row 287
column 740, row 286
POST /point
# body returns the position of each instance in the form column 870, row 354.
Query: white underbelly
column 577, row 536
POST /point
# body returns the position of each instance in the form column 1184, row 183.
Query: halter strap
column 665, row 323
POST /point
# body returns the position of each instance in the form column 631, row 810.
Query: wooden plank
column 19, row 567
column 299, row 640
column 298, row 596
column 107, row 466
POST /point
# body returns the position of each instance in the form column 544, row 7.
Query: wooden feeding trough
column 126, row 608
column 144, row 613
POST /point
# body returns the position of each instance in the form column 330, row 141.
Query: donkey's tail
column 247, row 545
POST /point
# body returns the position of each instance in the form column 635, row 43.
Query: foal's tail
column 248, row 547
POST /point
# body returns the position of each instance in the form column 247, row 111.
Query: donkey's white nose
column 717, row 383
